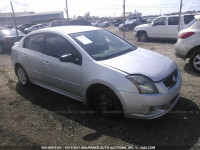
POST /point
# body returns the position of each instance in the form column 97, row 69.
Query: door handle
column 46, row 62
column 24, row 55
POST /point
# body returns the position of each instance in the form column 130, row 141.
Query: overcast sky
column 100, row 7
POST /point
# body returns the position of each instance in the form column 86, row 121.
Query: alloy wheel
column 196, row 62
column 22, row 76
column 142, row 37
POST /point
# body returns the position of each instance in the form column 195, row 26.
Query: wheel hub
column 142, row 37
column 105, row 103
column 22, row 76
column 196, row 62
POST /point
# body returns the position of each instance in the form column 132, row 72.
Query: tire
column 142, row 37
column 195, row 61
column 106, row 102
column 1, row 49
column 22, row 76
column 126, row 29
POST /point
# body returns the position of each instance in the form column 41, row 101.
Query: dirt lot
column 34, row 117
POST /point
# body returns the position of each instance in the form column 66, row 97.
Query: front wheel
column 195, row 61
column 142, row 36
column 22, row 76
column 126, row 29
column 106, row 102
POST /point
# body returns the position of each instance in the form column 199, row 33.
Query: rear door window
column 188, row 18
column 173, row 20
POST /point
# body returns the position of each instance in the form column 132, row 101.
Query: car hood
column 142, row 26
column 145, row 62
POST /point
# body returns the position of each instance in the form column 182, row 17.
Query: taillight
column 185, row 35
column 7, row 40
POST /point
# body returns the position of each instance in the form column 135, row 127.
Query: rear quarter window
column 25, row 45
column 188, row 18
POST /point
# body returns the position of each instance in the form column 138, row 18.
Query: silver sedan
column 98, row 68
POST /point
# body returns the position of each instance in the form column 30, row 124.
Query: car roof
column 71, row 29
column 177, row 15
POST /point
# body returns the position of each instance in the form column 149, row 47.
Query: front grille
column 171, row 80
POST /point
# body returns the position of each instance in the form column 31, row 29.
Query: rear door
column 158, row 28
column 62, row 75
column 32, row 56
column 172, row 27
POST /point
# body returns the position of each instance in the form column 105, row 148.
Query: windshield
column 101, row 44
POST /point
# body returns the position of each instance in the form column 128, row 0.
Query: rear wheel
column 106, row 102
column 142, row 36
column 22, row 76
column 195, row 61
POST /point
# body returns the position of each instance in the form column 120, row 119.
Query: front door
column 61, row 75
column 158, row 28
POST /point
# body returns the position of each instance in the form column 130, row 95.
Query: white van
column 162, row 27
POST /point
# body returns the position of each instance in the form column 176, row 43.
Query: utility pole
column 179, row 24
column 67, row 10
column 124, row 20
column 14, row 18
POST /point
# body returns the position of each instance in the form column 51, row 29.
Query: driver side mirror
column 70, row 58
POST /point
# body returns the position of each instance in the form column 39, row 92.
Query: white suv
column 162, row 27
column 188, row 44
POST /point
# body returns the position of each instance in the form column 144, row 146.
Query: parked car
column 56, row 23
column 22, row 27
column 97, row 67
column 162, row 27
column 100, row 23
column 188, row 44
column 8, row 38
column 9, row 26
column 65, row 22
column 2, row 28
column 34, row 27
column 150, row 19
column 131, row 24
column 80, row 21
column 117, row 22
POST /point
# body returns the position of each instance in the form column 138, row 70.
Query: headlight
column 143, row 84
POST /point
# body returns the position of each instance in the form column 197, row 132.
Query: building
column 29, row 17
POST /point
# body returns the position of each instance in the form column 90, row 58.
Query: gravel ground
column 34, row 117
